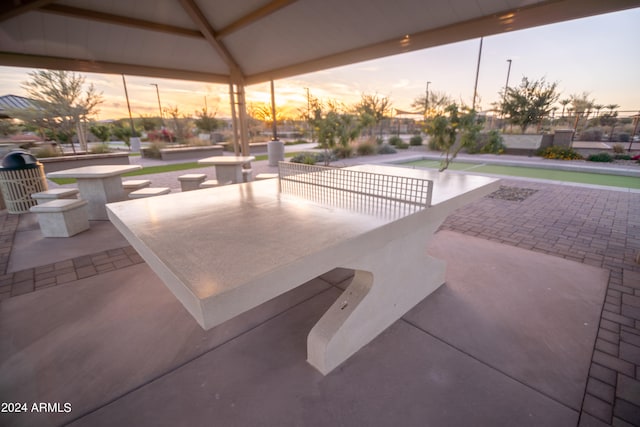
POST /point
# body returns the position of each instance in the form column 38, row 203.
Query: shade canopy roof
column 252, row 41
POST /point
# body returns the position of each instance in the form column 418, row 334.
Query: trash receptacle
column 21, row 175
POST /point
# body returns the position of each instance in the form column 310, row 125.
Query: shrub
column 161, row 135
column 386, row 149
column 99, row 149
column 297, row 141
column 495, row 144
column 402, row 145
column 487, row 143
column 559, row 153
column 366, row 148
column 591, row 134
column 379, row 141
column 622, row 157
column 618, row 148
column 309, row 160
column 312, row 158
column 326, row 157
column 415, row 140
column 600, row 157
column 343, row 152
column 197, row 142
column 306, row 158
column 153, row 150
column 395, row 140
column 46, row 151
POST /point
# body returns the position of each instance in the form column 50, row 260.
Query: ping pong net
column 366, row 192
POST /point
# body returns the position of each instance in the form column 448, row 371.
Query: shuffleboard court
column 537, row 173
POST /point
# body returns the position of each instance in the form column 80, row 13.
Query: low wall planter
column 254, row 147
column 522, row 144
column 54, row 164
column 188, row 153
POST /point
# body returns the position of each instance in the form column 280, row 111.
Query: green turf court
column 528, row 172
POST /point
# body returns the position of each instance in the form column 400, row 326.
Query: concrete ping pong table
column 225, row 250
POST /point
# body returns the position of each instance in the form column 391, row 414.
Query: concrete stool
column 54, row 194
column 62, row 217
column 210, row 183
column 149, row 192
column 246, row 175
column 262, row 176
column 135, row 184
column 191, row 181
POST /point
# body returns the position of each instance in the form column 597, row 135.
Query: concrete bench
column 191, row 181
column 55, row 194
column 62, row 217
column 149, row 192
column 134, row 185
column 210, row 183
column 262, row 176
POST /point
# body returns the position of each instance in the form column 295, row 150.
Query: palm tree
column 564, row 104
column 598, row 107
column 612, row 107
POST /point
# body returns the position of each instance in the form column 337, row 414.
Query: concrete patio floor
column 536, row 325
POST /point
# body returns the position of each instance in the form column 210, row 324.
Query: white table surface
column 215, row 240
column 226, row 160
column 94, row 172
column 98, row 185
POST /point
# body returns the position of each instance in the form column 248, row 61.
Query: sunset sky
column 597, row 55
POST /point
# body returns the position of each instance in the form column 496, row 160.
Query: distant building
column 14, row 102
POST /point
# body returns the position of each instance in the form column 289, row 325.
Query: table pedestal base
column 229, row 173
column 98, row 192
column 388, row 282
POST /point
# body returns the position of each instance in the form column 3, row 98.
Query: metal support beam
column 210, row 35
column 93, row 15
column 254, row 16
column 11, row 9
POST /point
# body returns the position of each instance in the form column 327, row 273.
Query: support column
column 236, row 92
column 234, row 118
column 242, row 114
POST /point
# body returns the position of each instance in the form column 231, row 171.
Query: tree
column 610, row 119
column 179, row 122
column 101, row 132
column 206, row 121
column 337, row 126
column 63, row 104
column 150, row 122
column 529, row 102
column 7, row 127
column 438, row 103
column 314, row 114
column 372, row 109
column 564, row 104
column 121, row 132
column 581, row 105
column 452, row 130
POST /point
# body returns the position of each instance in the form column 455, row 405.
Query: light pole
column 309, row 112
column 160, row 105
column 506, row 86
column 475, row 87
column 426, row 101
column 126, row 94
